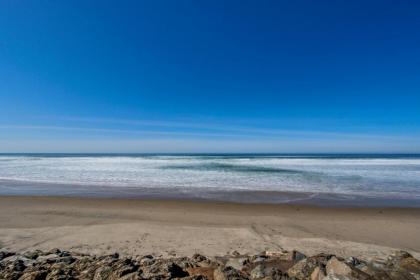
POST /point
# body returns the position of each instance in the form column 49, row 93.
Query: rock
column 275, row 264
column 317, row 274
column 32, row 254
column 218, row 274
column 115, row 256
column 124, row 267
column 198, row 258
column 48, row 258
column 411, row 265
column 35, row 275
column 258, row 272
column 64, row 254
column 12, row 270
column 206, row 272
column 63, row 265
column 14, row 258
column 285, row 255
column 235, row 253
column 131, row 276
column 4, row 255
column 103, row 273
column 146, row 260
column 228, row 273
column 59, row 271
column 163, row 269
column 336, row 277
column 54, row 251
column 334, row 266
column 176, row 271
column 259, row 259
column 236, row 263
column 232, row 273
column 298, row 256
column 402, row 265
column 399, row 265
column 303, row 269
column 271, row 253
column 266, row 272
column 341, row 270
column 354, row 262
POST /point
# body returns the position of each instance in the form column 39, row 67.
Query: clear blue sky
column 209, row 76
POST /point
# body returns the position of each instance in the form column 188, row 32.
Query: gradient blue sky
column 209, row 76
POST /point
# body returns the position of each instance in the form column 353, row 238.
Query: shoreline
column 165, row 227
column 14, row 188
column 300, row 200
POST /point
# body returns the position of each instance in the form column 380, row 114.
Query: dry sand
column 159, row 227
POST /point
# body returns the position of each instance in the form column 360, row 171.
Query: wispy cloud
column 222, row 131
column 236, row 127
column 190, row 135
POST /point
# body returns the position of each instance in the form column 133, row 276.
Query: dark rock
column 124, row 267
column 198, row 258
column 115, row 256
column 235, row 253
column 18, row 265
column 64, row 254
column 298, row 256
column 176, row 271
column 54, row 251
column 32, row 254
column 146, row 260
column 4, row 255
column 35, row 275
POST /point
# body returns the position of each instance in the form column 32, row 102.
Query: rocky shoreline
column 61, row 265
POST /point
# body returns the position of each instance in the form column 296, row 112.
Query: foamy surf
column 249, row 178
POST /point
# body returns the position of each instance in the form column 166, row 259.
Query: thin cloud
column 238, row 132
column 232, row 128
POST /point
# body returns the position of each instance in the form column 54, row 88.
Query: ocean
column 378, row 180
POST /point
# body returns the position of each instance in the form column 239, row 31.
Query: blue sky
column 209, row 76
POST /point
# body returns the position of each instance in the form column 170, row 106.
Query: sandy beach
column 174, row 227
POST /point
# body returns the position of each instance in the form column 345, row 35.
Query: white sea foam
column 376, row 177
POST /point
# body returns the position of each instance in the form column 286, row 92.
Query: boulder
column 304, row 268
column 20, row 258
column 317, row 274
column 103, row 272
column 342, row 270
column 258, row 272
column 48, row 258
column 334, row 266
column 206, row 272
column 236, row 263
column 285, row 255
column 4, row 254
column 218, row 274
column 228, row 273
column 32, row 254
column 62, row 265
column 35, row 275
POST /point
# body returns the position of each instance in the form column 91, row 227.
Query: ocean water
column 243, row 178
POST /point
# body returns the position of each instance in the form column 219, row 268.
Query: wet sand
column 168, row 227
